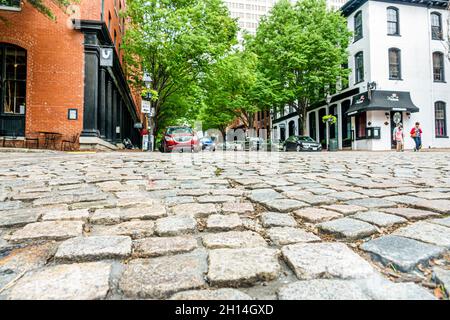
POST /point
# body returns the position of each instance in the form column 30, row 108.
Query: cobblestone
column 197, row 226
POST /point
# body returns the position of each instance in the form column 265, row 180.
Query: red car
column 180, row 139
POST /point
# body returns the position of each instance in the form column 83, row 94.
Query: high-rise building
column 249, row 12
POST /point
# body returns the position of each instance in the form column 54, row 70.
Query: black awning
column 382, row 100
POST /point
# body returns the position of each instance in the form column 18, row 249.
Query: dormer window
column 10, row 5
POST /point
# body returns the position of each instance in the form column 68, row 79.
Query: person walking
column 399, row 137
column 416, row 134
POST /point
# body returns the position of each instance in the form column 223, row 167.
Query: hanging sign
column 106, row 57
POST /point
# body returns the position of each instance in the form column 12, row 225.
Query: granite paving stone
column 245, row 266
column 219, row 222
column 287, row 235
column 82, row 281
column 81, row 249
column 379, row 219
column 233, row 239
column 153, row 247
column 275, row 219
column 325, row 260
column 442, row 276
column 411, row 213
column 348, row 228
column 404, row 253
column 426, row 232
column 135, row 229
column 175, row 225
column 48, row 230
column 315, row 215
column 159, row 278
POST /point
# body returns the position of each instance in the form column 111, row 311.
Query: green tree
column 228, row 91
column 175, row 42
column 301, row 50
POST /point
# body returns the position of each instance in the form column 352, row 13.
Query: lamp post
column 148, row 81
column 328, row 100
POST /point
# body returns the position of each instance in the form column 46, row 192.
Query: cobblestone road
column 348, row 225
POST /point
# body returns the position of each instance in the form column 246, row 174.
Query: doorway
column 291, row 128
column 346, row 125
column 395, row 116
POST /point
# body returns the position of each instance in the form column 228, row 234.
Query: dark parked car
column 180, row 139
column 207, row 144
column 301, row 143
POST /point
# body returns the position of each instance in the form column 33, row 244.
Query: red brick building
column 53, row 77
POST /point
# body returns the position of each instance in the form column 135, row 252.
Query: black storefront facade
column 375, row 114
column 110, row 111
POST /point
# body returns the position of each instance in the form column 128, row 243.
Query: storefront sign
column 106, row 57
column 393, row 97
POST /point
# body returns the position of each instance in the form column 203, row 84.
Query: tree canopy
column 175, row 42
column 301, row 50
column 228, row 91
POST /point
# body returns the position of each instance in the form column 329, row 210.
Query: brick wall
column 55, row 60
column 55, row 67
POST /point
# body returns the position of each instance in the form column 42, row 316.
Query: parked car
column 180, row 139
column 208, row 144
column 301, row 143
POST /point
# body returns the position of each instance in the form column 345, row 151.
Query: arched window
column 393, row 21
column 440, row 119
column 394, row 64
column 436, row 26
column 358, row 29
column 291, row 128
column 359, row 67
column 438, row 67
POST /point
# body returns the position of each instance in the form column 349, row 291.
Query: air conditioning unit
column 10, row 5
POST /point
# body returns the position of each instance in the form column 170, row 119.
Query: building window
column 360, row 121
column 440, row 119
column 394, row 64
column 358, row 26
column 438, row 67
column 436, row 26
column 393, row 21
column 359, row 67
column 13, row 72
column 109, row 20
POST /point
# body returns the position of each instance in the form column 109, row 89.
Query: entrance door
column 322, row 128
column 395, row 116
column 13, row 75
column 282, row 133
column 346, row 125
column 291, row 128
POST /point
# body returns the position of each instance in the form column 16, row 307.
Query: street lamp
column 148, row 112
column 328, row 100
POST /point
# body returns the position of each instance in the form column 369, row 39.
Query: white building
column 249, row 12
column 401, row 51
